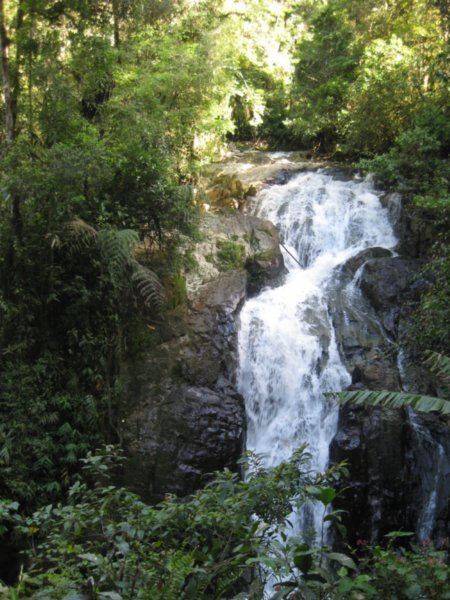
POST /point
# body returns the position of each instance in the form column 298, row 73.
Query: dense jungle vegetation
column 110, row 110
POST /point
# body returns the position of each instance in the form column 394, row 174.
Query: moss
column 230, row 256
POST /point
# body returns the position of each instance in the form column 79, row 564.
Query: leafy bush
column 107, row 540
column 416, row 162
column 430, row 320
column 404, row 574
column 226, row 541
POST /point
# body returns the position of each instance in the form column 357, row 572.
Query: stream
column 288, row 354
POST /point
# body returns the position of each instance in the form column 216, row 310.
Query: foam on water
column 288, row 354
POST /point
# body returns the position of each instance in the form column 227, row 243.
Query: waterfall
column 288, row 355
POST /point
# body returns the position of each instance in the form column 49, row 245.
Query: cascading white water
column 288, row 354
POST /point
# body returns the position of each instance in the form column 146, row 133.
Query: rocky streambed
column 183, row 416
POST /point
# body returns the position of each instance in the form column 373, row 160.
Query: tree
column 4, row 47
column 327, row 60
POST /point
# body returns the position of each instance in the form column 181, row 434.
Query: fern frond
column 148, row 284
column 180, row 566
column 116, row 248
column 226, row 581
column 395, row 400
column 79, row 234
column 439, row 364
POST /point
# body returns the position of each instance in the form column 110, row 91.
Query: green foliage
column 430, row 319
column 382, row 97
column 47, row 424
column 365, row 71
column 230, row 256
column 406, row 574
column 416, row 161
column 396, row 400
column 328, row 57
column 223, row 542
column 204, row 548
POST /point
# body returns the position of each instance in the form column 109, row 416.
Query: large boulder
column 373, row 444
column 256, row 245
column 386, row 281
column 177, row 435
column 181, row 415
column 366, row 344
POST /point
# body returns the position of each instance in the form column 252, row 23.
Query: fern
column 78, row 235
column 226, row 581
column 439, row 364
column 148, row 284
column 395, row 400
column 117, row 250
column 180, row 566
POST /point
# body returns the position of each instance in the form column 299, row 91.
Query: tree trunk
column 15, row 77
column 115, row 7
column 9, row 109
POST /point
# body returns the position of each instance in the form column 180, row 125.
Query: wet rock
column 429, row 477
column 388, row 283
column 399, row 470
column 242, row 174
column 350, row 267
column 386, row 280
column 373, row 443
column 399, row 473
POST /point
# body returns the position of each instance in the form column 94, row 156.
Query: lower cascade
column 288, row 354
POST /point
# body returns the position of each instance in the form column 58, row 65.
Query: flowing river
column 288, row 355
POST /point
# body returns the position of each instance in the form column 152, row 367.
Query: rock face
column 400, row 474
column 399, row 470
column 182, row 417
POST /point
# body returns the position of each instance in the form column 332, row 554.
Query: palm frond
column 395, row 400
column 147, row 284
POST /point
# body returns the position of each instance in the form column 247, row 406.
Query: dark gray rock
column 398, row 460
column 181, row 416
column 399, row 473
column 385, row 281
column 355, row 262
column 373, row 443
column 177, row 436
